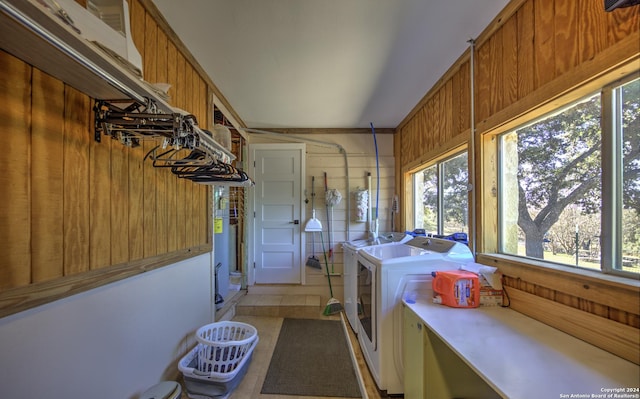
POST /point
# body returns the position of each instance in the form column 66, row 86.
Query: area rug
column 311, row 358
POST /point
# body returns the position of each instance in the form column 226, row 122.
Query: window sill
column 609, row 290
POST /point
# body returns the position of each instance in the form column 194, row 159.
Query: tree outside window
column 441, row 200
column 551, row 183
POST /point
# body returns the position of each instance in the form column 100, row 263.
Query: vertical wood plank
column 205, row 110
column 420, row 124
column 15, row 196
column 149, row 219
column 566, row 37
column 135, row 155
column 76, row 185
column 592, row 27
column 408, row 131
column 482, row 82
column 465, row 96
column 136, row 203
column 172, row 181
column 423, row 130
column 446, row 112
column 456, row 108
column 437, row 125
column 46, row 177
column 495, row 72
column 162, row 175
column 188, row 186
column 622, row 22
column 430, row 130
column 100, row 202
column 510, row 61
column 192, row 223
column 413, row 135
column 200, row 112
column 526, row 60
column 181, row 101
column 544, row 44
column 417, row 136
column 119, row 204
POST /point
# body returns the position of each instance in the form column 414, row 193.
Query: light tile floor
column 268, row 329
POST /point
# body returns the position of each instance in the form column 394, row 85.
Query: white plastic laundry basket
column 223, row 345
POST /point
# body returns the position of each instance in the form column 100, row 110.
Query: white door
column 277, row 205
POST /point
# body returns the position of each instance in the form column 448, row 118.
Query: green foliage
column 559, row 158
column 559, row 161
column 451, row 183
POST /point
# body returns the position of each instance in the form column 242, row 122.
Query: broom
column 312, row 226
column 333, row 305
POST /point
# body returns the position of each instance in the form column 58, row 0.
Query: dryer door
column 366, row 300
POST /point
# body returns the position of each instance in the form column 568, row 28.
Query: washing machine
column 350, row 270
column 384, row 272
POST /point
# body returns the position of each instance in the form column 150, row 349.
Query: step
column 292, row 306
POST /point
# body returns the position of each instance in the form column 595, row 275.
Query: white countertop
column 521, row 358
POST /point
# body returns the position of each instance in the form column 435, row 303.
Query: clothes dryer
column 383, row 275
column 350, row 270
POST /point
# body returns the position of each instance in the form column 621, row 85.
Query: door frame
column 251, row 277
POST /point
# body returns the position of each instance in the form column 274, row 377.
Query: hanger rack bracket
column 131, row 122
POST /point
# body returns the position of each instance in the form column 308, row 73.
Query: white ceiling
column 326, row 63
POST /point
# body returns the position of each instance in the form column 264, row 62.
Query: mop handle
column 326, row 265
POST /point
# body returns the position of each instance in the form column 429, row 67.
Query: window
column 570, row 183
column 441, row 200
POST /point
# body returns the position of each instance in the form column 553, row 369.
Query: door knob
column 295, row 221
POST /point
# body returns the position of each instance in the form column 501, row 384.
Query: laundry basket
column 220, row 359
column 222, row 347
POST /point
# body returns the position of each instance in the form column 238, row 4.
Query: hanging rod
column 133, row 121
column 191, row 153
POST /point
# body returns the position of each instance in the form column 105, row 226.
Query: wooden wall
column 74, row 213
column 534, row 56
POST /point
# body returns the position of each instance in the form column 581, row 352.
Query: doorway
column 278, row 212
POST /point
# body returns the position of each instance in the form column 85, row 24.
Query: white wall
column 111, row 342
column 361, row 158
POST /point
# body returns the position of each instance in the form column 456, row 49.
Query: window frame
column 611, row 175
column 437, row 162
column 612, row 167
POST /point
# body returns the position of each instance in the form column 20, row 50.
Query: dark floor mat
column 311, row 358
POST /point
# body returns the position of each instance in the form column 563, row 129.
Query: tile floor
column 268, row 327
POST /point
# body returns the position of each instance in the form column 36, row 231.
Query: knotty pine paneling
column 47, row 185
column 509, row 64
column 464, row 97
column 76, row 201
column 72, row 207
column 534, row 52
column 544, row 42
column 567, row 37
column 136, row 155
column 119, row 205
column 149, row 175
column 162, row 211
column 100, row 155
column 172, row 183
column 15, row 192
column 495, row 71
column 593, row 30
